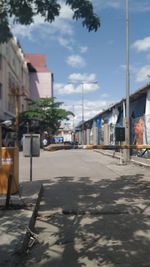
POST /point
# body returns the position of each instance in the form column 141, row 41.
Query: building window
column 0, row 91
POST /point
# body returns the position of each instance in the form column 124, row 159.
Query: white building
column 14, row 79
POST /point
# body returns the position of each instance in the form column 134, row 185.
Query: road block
column 9, row 165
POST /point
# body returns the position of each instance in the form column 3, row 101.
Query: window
column 0, row 91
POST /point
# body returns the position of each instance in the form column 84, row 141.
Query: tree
column 23, row 12
column 44, row 114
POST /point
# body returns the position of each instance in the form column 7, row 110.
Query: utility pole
column 82, row 113
column 127, row 119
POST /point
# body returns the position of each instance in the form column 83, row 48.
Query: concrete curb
column 31, row 225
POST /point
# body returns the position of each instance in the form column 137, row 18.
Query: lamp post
column 127, row 119
column 83, row 83
column 82, row 131
column 83, row 106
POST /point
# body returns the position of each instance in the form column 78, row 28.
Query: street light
column 82, row 99
column 127, row 120
column 83, row 83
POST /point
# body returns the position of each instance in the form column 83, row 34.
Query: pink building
column 40, row 77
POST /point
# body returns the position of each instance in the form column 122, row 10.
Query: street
column 77, row 164
column 93, row 212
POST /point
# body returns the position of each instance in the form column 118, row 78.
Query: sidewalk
column 13, row 222
column 135, row 159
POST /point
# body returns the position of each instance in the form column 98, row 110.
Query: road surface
column 94, row 211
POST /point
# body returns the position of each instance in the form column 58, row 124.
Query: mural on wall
column 147, row 119
column 147, row 130
column 139, row 131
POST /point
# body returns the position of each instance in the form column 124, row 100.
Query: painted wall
column 40, row 85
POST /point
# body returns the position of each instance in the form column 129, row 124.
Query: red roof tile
column 38, row 62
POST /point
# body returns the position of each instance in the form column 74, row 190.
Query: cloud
column 71, row 88
column 61, row 26
column 142, row 74
column 83, row 49
column 65, row 42
column 85, row 77
column 76, row 61
column 91, row 108
column 143, row 44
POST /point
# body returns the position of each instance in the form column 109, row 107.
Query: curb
column 31, row 225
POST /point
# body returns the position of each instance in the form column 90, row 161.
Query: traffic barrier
column 112, row 147
column 9, row 166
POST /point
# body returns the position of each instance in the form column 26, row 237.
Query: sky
column 92, row 62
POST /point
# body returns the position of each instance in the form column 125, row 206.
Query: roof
column 36, row 62
column 133, row 96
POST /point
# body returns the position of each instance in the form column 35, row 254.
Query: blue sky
column 75, row 55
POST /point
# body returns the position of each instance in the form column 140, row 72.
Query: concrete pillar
column 80, row 137
column 88, row 136
column 95, row 136
column 106, row 134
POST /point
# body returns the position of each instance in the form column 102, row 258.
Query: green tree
column 44, row 114
column 23, row 12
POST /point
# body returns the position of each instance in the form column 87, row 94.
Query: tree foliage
column 44, row 114
column 24, row 11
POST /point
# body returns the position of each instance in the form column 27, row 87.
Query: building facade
column 14, row 80
column 40, row 77
column 101, row 128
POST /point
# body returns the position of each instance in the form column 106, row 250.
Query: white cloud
column 143, row 44
column 142, row 74
column 76, row 61
column 83, row 49
column 91, row 108
column 65, row 42
column 70, row 88
column 85, row 77
column 62, row 25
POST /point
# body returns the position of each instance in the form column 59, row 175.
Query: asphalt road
column 75, row 163
column 94, row 211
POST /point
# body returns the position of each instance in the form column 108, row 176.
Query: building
column 14, row 80
column 101, row 128
column 41, row 79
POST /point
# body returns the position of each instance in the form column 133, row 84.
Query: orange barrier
column 9, row 165
column 112, row 147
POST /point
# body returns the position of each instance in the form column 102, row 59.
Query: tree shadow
column 87, row 223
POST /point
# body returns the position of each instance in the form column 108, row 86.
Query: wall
column 13, row 76
column 40, row 85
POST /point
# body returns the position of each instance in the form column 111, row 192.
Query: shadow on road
column 87, row 223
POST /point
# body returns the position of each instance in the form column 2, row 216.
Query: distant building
column 41, row 79
column 14, row 80
column 101, row 128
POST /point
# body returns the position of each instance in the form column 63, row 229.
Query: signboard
column 120, row 134
column 31, row 145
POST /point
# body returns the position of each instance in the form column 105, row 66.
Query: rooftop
column 36, row 62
